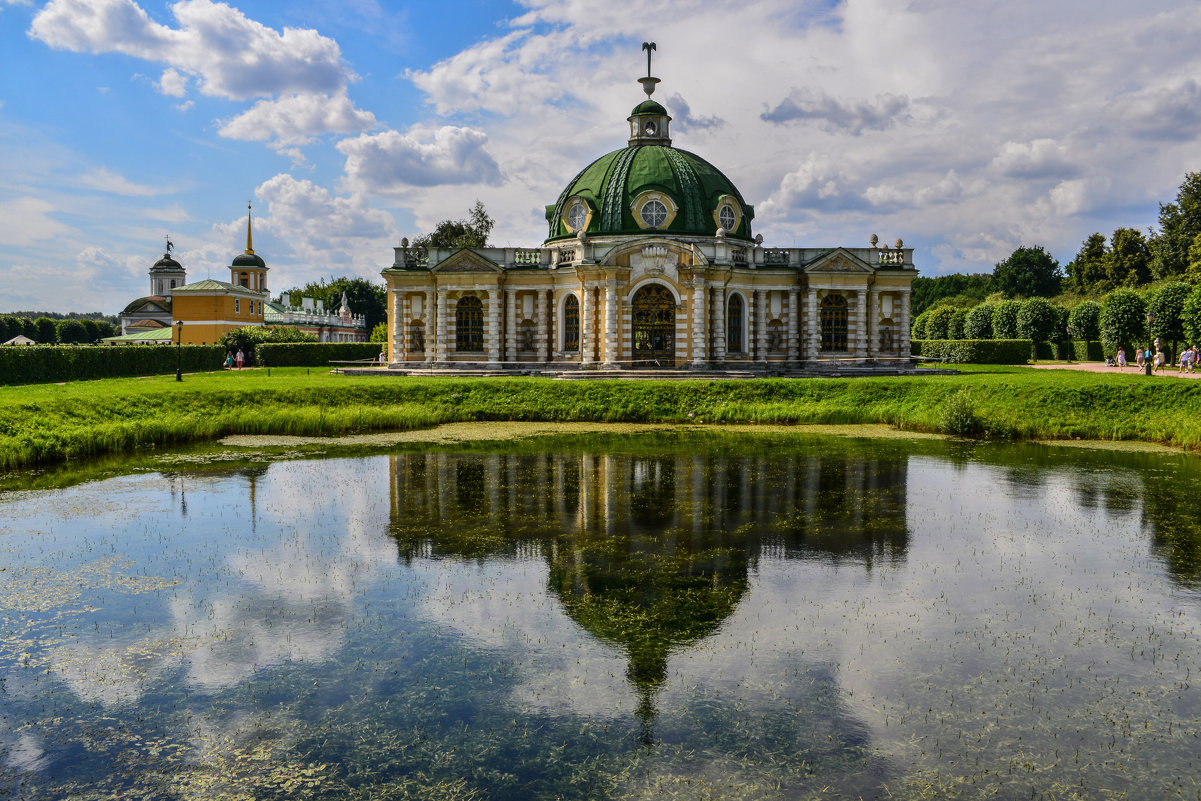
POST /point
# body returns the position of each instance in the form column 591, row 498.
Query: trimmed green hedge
column 43, row 364
column 314, row 354
column 974, row 351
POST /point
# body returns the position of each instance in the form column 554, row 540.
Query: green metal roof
column 611, row 183
column 163, row 334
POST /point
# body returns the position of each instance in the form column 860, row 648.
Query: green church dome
column 648, row 107
column 249, row 260
column 607, row 194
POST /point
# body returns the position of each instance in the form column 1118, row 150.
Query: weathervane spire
column 648, row 83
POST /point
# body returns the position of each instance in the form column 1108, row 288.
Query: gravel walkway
column 1131, row 369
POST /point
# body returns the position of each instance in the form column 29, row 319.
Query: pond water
column 669, row 615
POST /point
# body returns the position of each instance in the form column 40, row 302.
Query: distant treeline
column 33, row 315
column 46, row 330
column 1127, row 259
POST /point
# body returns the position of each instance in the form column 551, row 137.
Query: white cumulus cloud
column 388, row 162
column 298, row 119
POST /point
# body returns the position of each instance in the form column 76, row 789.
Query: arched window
column 834, row 323
column 734, row 326
column 469, row 325
column 571, row 323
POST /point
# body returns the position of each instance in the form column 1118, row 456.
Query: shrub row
column 974, row 351
column 41, row 364
column 314, row 354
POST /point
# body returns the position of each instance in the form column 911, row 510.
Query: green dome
column 610, row 185
column 648, row 107
column 249, row 260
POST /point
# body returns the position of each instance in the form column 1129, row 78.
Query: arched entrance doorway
column 654, row 327
column 834, row 323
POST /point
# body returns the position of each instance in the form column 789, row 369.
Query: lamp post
column 179, row 350
column 1147, row 364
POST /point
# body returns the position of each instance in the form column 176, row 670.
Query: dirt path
column 1131, row 369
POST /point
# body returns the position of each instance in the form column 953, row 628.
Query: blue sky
column 965, row 128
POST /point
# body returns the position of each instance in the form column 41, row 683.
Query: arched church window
column 469, row 325
column 571, row 323
column 734, row 315
column 834, row 323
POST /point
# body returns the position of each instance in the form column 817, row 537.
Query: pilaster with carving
column 510, row 325
column 699, row 351
column 873, row 333
column 543, row 327
column 398, row 315
column 760, row 325
column 719, row 324
column 794, row 312
column 904, row 332
column 427, row 303
column 813, row 327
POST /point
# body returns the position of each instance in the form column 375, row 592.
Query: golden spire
column 249, row 246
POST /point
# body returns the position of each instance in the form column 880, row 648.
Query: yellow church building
column 209, row 309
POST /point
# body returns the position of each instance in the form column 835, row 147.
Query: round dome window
column 653, row 213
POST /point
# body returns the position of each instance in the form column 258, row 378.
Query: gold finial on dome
column 249, row 246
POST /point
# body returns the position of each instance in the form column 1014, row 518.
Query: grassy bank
column 51, row 423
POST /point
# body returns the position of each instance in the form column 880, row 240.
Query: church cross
column 648, row 47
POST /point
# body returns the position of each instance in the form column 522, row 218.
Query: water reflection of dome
column 652, row 550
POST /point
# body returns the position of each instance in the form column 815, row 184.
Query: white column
column 398, row 322
column 611, row 321
column 511, row 325
column 543, row 344
column 873, row 324
column 813, row 327
column 493, row 312
column 699, row 330
column 794, row 314
column 585, row 324
column 719, row 324
column 440, row 343
column 427, row 309
column 904, row 332
column 760, row 325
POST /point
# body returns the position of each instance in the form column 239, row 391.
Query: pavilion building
column 650, row 261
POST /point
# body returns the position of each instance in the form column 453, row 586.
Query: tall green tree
column 1005, row 319
column 1038, row 320
column 1179, row 226
column 47, row 332
column 978, row 323
column 1084, row 321
column 1028, row 272
column 71, row 332
column 1128, row 262
column 1087, row 272
column 1168, row 307
column 1193, row 272
column 956, row 289
column 1192, row 316
column 471, row 232
column 1124, row 320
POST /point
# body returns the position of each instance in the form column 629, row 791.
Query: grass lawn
column 49, row 423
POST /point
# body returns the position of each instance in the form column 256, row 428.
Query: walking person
column 1138, row 352
column 239, row 358
column 1121, row 358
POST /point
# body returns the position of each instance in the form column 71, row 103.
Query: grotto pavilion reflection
column 651, row 550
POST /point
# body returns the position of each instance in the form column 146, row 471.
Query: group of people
column 233, row 361
column 1190, row 359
